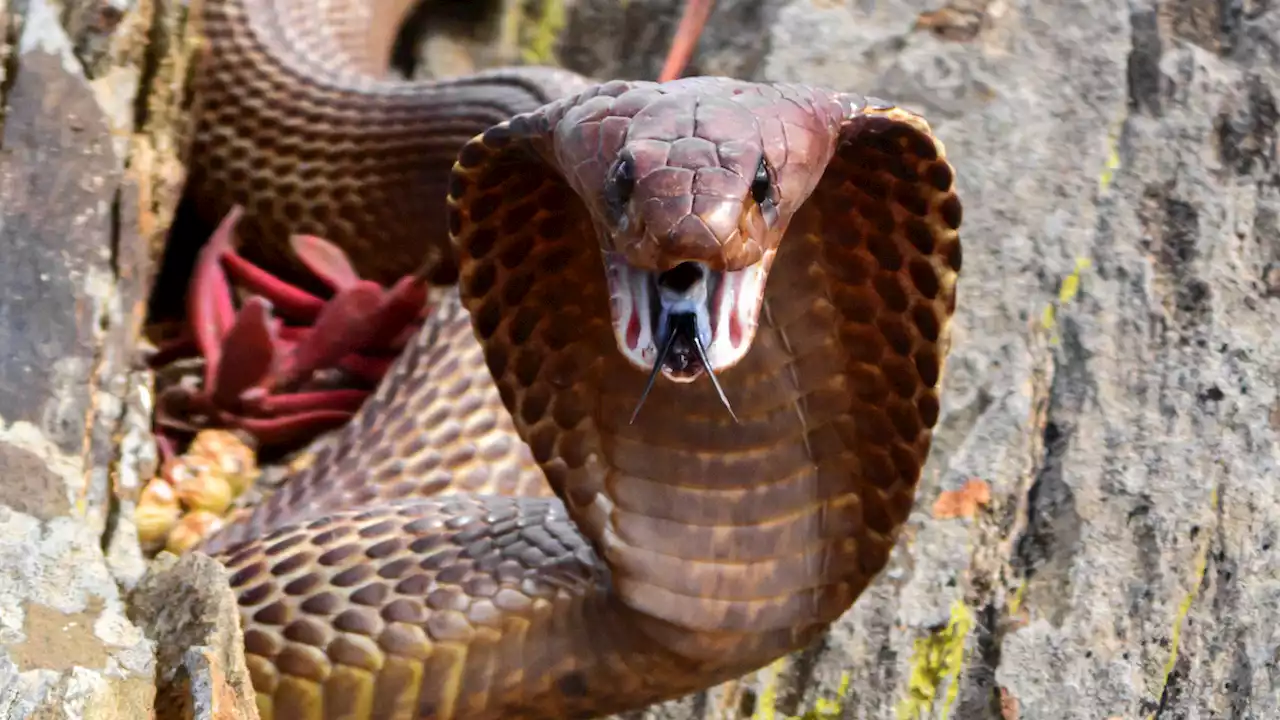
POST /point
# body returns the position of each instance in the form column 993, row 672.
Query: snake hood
column 691, row 186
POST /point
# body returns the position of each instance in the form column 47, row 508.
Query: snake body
column 491, row 537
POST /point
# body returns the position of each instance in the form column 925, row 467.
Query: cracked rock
column 1112, row 377
column 73, row 407
column 187, row 606
column 65, row 644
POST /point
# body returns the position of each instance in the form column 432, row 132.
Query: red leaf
column 401, row 308
column 292, row 428
column 343, row 325
column 294, row 333
column 289, row 301
column 209, row 308
column 249, row 350
column 343, row 400
column 367, row 369
column 326, row 260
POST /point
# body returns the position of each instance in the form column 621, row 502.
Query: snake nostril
column 682, row 277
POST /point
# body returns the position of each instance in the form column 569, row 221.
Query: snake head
column 691, row 186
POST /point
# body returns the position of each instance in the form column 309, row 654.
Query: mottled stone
column 76, row 230
column 186, row 606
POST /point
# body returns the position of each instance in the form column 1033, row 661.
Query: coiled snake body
column 491, row 536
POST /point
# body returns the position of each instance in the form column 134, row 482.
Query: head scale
column 691, row 186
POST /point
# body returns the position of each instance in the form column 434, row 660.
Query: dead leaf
column 963, row 502
column 1008, row 705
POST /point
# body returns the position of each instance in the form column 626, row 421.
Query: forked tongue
column 681, row 337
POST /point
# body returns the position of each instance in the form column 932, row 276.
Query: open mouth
column 684, row 322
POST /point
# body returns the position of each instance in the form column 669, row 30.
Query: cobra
column 501, row 531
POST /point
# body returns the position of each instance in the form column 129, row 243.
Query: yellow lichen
column 1048, row 317
column 1018, row 596
column 1113, row 159
column 1184, row 607
column 1109, row 170
column 1067, row 292
column 826, row 708
column 1071, row 284
column 766, row 705
column 541, row 23
column 936, row 661
column 823, row 708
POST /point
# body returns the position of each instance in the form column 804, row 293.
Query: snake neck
column 296, row 120
column 728, row 543
column 331, row 37
column 738, row 541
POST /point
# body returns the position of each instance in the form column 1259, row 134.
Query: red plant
column 268, row 363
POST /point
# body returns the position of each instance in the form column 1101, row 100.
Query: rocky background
column 1094, row 534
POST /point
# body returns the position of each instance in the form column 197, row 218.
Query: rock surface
column 1112, row 383
column 1094, row 536
column 187, row 606
column 83, row 195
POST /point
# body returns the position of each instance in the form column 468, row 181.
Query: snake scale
column 492, row 536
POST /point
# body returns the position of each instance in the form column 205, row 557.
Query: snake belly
column 491, row 536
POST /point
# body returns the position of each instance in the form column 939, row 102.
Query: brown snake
column 491, row 537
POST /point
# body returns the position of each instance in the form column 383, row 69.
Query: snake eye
column 762, row 184
column 620, row 184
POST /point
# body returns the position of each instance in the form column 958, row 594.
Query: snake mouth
column 708, row 318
